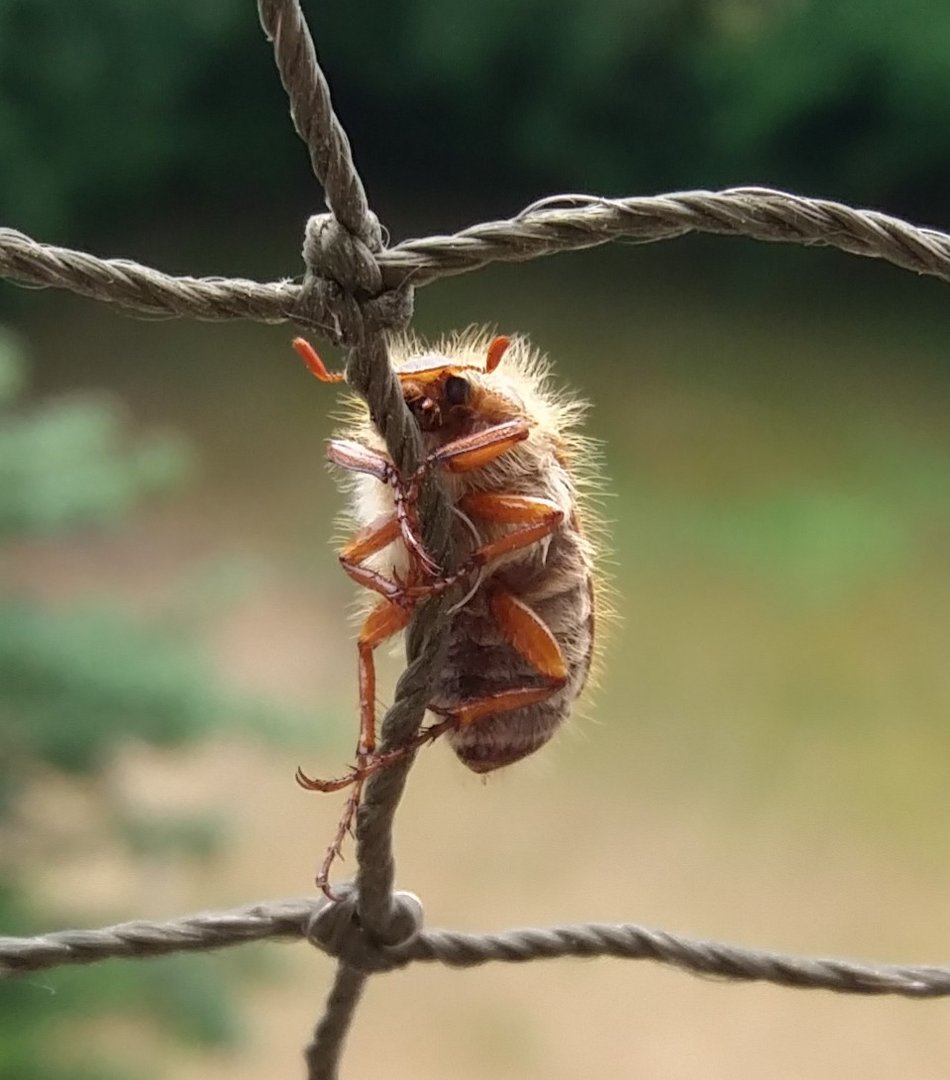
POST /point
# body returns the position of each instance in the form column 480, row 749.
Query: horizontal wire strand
column 291, row 920
column 559, row 224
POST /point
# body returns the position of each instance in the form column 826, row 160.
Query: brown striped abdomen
column 556, row 585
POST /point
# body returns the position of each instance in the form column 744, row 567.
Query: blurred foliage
column 109, row 104
column 186, row 996
column 66, row 466
column 74, row 684
column 106, row 102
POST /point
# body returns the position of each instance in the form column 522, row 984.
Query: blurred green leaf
column 75, row 683
column 67, row 464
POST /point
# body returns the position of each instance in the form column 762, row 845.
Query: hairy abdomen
column 556, row 585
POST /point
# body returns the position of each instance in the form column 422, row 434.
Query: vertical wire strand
column 353, row 249
column 312, row 113
column 323, row 1053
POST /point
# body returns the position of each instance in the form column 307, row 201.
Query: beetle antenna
column 315, row 365
column 496, row 350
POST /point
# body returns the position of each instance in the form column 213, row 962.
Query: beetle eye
column 456, row 390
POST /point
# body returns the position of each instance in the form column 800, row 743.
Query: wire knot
column 337, row 930
column 342, row 292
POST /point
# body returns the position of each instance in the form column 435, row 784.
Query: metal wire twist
column 562, row 223
column 341, row 253
column 303, row 919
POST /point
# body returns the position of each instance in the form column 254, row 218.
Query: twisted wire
column 311, row 111
column 352, row 258
column 301, row 918
column 194, row 933
column 322, row 1054
column 343, row 293
column 562, row 223
column 571, row 222
column 139, row 288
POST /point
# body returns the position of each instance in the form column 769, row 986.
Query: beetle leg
column 409, row 528
column 528, row 634
column 465, row 454
column 530, row 637
column 356, row 457
column 473, row 451
column 382, row 622
column 536, row 518
column 459, row 455
column 352, row 455
column 374, row 537
column 499, row 701
column 378, row 762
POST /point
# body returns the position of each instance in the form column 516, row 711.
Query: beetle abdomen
column 481, row 663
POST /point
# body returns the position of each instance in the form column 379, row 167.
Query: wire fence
column 354, row 289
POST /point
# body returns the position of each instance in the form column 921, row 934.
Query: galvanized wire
column 344, row 294
column 562, row 223
column 305, row 919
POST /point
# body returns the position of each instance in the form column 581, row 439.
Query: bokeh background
column 766, row 759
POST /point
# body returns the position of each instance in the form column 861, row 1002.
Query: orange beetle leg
column 528, row 635
column 470, row 712
column 377, row 535
column 382, row 622
column 461, row 455
column 409, row 529
column 358, row 458
column 473, row 451
column 374, row 537
column 538, row 518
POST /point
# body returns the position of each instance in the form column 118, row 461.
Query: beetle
column 517, row 473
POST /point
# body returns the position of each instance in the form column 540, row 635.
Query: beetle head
column 437, row 391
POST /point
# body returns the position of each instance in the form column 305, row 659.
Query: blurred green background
column 766, row 758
